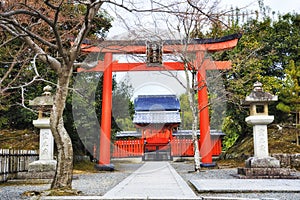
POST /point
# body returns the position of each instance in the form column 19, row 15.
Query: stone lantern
column 261, row 165
column 46, row 165
column 259, row 118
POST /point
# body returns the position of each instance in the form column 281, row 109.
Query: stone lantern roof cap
column 259, row 96
column 45, row 100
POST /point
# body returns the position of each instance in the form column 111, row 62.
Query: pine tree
column 290, row 93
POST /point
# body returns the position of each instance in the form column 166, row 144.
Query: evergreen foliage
column 267, row 53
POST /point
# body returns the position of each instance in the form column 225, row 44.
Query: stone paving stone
column 152, row 180
column 246, row 185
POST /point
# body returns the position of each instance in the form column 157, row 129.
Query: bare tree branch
column 210, row 16
column 19, row 31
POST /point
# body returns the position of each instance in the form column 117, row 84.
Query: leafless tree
column 41, row 27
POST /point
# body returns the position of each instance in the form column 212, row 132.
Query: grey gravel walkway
column 152, row 180
column 95, row 186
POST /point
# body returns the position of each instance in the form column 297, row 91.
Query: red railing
column 216, row 142
column 128, row 148
column 179, row 147
column 182, row 147
column 185, row 147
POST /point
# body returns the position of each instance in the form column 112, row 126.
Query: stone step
column 35, row 175
column 266, row 173
column 157, row 156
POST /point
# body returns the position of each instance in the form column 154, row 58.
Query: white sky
column 281, row 6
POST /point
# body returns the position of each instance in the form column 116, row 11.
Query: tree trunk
column 297, row 127
column 196, row 146
column 191, row 97
column 64, row 171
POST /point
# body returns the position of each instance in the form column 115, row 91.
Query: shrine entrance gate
column 197, row 46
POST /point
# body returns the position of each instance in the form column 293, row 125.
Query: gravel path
column 14, row 192
column 92, row 184
column 97, row 184
column 185, row 169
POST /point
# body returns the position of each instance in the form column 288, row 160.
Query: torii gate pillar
column 105, row 131
column 205, row 138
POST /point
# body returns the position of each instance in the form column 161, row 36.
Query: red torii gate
column 199, row 46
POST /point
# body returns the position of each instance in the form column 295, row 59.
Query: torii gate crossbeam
column 138, row 47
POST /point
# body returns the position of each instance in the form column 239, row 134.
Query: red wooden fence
column 182, row 147
column 179, row 147
column 128, row 148
column 216, row 142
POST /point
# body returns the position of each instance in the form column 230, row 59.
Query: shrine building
column 158, row 136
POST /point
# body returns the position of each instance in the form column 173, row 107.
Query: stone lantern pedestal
column 261, row 165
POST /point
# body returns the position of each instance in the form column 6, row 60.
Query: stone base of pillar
column 39, row 171
column 42, row 166
column 267, row 162
column 265, row 168
column 266, row 173
column 37, row 177
column 102, row 167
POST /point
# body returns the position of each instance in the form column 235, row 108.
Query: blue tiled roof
column 157, row 117
column 156, row 103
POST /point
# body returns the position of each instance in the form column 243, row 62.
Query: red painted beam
column 217, row 65
column 167, row 66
